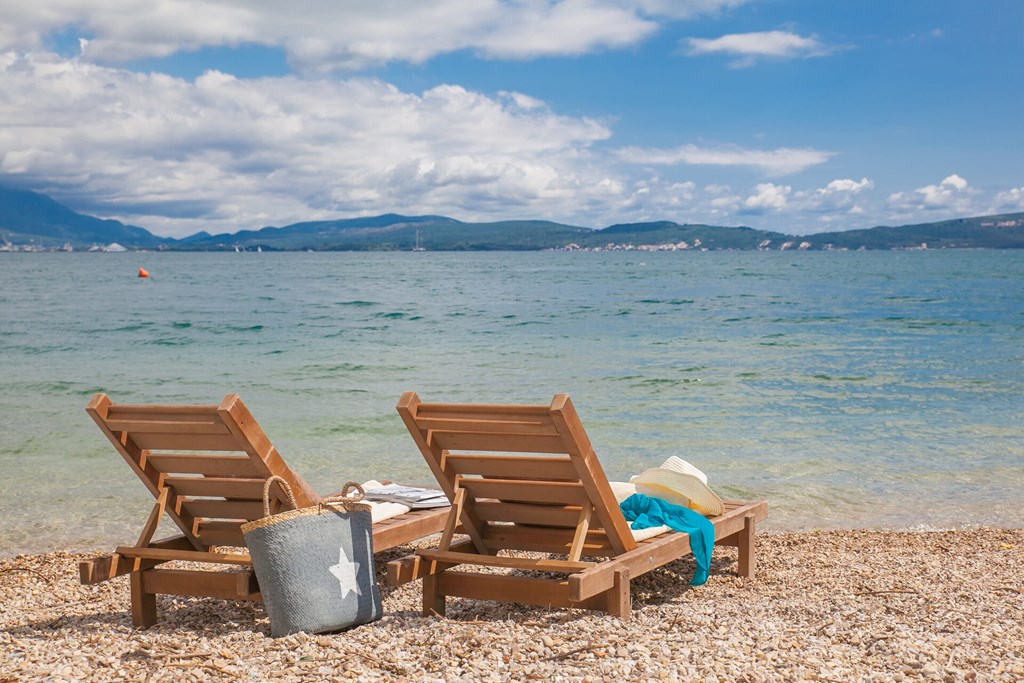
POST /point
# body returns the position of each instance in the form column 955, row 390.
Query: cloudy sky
column 791, row 115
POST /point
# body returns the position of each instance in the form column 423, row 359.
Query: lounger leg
column 433, row 598
column 618, row 597
column 143, row 603
column 746, row 547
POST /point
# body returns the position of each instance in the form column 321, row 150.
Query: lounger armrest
column 104, row 567
column 413, row 567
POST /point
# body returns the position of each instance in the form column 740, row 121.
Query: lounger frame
column 526, row 478
column 206, row 466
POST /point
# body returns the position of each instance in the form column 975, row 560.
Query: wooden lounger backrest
column 528, row 476
column 213, row 460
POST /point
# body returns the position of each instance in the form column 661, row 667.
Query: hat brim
column 671, row 486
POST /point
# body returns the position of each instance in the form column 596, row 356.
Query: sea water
column 848, row 389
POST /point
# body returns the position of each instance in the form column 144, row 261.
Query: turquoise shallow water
column 869, row 390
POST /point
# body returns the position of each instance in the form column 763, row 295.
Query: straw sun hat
column 679, row 482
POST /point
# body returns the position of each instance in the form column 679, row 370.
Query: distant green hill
column 31, row 218
column 692, row 236
column 987, row 232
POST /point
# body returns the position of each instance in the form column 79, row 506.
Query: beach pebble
column 840, row 605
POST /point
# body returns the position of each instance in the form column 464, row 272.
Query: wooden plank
column 220, row 532
column 523, row 590
column 486, row 423
column 130, row 410
column 520, row 491
column 413, row 567
column 487, row 441
column 226, row 487
column 104, row 567
column 165, row 426
column 554, row 467
column 524, row 563
column 527, row 513
column 223, row 509
column 476, row 410
column 407, row 528
column 166, row 555
column 186, row 442
column 227, row 585
column 208, row 464
column 648, row 555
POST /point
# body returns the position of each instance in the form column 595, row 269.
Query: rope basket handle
column 285, row 486
column 344, row 498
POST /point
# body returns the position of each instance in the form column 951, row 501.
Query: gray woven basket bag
column 315, row 564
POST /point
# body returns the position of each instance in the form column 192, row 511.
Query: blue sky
column 798, row 116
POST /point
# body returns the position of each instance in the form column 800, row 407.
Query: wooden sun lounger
column 207, row 466
column 526, row 478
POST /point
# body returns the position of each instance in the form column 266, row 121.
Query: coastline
column 826, row 605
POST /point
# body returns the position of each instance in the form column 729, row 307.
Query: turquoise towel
column 645, row 512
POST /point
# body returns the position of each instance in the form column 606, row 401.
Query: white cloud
column 320, row 35
column 781, row 161
column 767, row 197
column 955, row 181
column 765, row 44
column 1011, row 200
column 221, row 153
column 846, row 185
column 836, row 198
column 950, row 195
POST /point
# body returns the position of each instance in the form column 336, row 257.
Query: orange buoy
column 143, row 272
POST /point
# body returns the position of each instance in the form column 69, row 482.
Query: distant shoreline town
column 31, row 222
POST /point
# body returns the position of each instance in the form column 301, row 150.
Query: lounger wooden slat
column 208, row 493
column 560, row 503
column 224, row 509
column 167, row 426
column 543, row 467
column 515, row 513
column 190, row 556
column 208, row 464
column 185, row 442
column 226, row 487
column 487, row 426
column 489, row 441
column 171, row 412
column 562, row 492
column 239, row 585
column 531, row 591
column 492, row 412
column 219, row 532
column 105, row 567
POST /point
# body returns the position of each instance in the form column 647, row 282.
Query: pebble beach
column 823, row 606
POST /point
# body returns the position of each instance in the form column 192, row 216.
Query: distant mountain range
column 29, row 220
